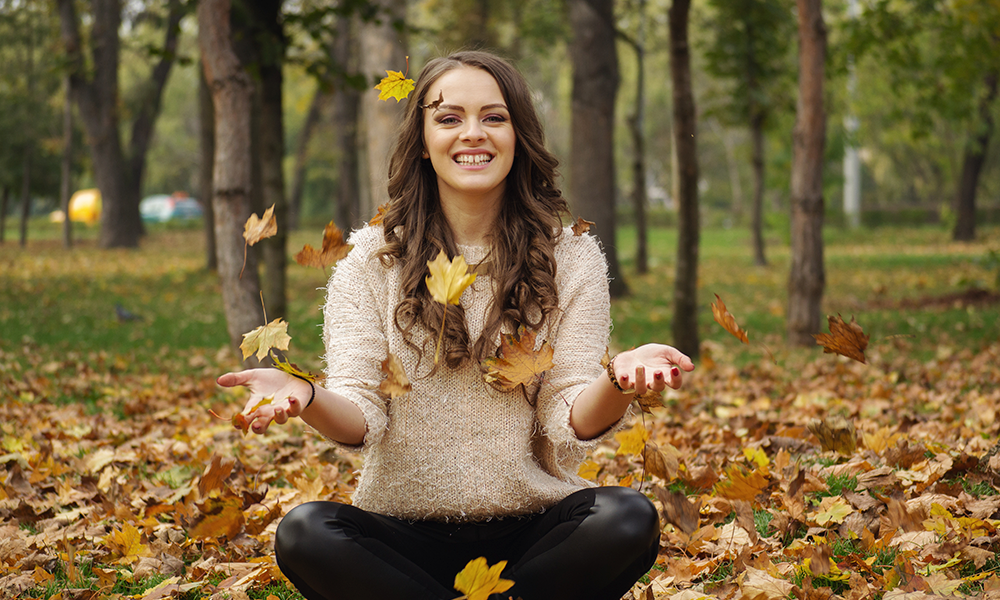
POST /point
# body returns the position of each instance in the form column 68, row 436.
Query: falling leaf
column 727, row 320
column 293, row 369
column 216, row 473
column 589, row 470
column 478, row 580
column 333, row 249
column 382, row 209
column 239, row 420
column 650, row 400
column 436, row 103
column 518, row 362
column 448, row 278
column 394, row 85
column 395, row 383
column 265, row 337
column 632, row 441
column 845, row 339
column 581, row 226
column 659, row 463
column 835, row 433
column 678, row 510
column 258, row 228
column 127, row 543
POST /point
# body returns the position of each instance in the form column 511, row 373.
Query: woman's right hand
column 288, row 394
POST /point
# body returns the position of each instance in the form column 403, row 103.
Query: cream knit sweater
column 455, row 448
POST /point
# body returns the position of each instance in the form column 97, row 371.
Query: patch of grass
column 838, row 484
column 762, row 522
column 978, row 489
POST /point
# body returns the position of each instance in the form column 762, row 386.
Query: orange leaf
column 395, row 383
column 126, row 542
column 581, row 226
column 265, row 337
column 382, row 209
column 740, row 484
column 478, row 580
column 845, row 339
column 257, row 228
column 727, row 320
column 216, row 472
column 225, row 519
column 333, row 249
column 394, row 85
column 519, row 363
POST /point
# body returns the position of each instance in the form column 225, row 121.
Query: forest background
column 118, row 483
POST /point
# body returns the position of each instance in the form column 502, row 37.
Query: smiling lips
column 473, row 159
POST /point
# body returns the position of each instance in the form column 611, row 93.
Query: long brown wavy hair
column 521, row 255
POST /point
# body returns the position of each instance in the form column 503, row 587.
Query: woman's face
column 468, row 137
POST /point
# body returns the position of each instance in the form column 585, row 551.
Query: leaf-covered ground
column 805, row 476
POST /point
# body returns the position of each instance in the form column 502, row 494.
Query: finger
column 280, row 416
column 675, row 378
column 234, row 379
column 259, row 425
column 678, row 358
column 294, row 407
column 659, row 381
column 640, row 380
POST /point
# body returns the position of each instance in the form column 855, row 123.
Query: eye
column 496, row 119
column 448, row 120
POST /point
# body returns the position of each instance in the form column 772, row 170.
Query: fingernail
column 292, row 400
column 658, row 375
column 624, row 377
column 675, row 372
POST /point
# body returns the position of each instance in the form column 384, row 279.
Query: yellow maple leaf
column 478, row 580
column 448, row 278
column 632, row 441
column 394, row 85
column 265, row 337
column 126, row 542
column 589, row 470
column 519, row 363
column 833, row 510
column 740, row 484
column 333, row 249
column 293, row 369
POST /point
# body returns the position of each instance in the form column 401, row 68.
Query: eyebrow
column 462, row 108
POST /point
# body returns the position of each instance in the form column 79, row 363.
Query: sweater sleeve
column 579, row 339
column 354, row 332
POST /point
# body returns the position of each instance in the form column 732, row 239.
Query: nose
column 473, row 131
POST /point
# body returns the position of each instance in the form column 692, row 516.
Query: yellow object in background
column 85, row 206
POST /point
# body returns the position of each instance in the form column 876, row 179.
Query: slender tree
column 232, row 92
column 595, row 84
column 685, row 323
column 637, row 126
column 206, row 145
column 807, row 278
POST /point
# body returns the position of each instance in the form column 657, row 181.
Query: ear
column 425, row 154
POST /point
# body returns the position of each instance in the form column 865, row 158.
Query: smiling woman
column 459, row 468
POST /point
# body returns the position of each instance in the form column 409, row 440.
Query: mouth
column 473, row 160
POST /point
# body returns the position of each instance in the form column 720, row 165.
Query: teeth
column 473, row 159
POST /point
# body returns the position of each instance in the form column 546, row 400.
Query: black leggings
column 594, row 545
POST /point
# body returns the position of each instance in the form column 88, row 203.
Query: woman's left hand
column 651, row 367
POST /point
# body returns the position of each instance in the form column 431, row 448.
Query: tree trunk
column 807, row 278
column 383, row 47
column 685, row 323
column 271, row 146
column 972, row 164
column 313, row 118
column 346, row 111
column 595, row 85
column 4, row 197
column 757, row 218
column 66, row 166
column 231, row 97
column 206, row 135
column 637, row 125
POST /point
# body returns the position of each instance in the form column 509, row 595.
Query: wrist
column 614, row 378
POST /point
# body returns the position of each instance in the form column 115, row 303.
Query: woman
column 458, row 469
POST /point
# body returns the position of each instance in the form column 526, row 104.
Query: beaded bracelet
column 312, row 387
column 611, row 375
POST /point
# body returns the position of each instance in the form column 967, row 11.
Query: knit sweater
column 455, row 448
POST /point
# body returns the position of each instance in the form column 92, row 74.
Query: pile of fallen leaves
column 819, row 479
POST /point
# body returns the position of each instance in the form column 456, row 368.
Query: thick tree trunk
column 972, row 163
column 346, row 112
column 595, row 85
column 66, row 166
column 685, row 323
column 807, row 278
column 231, row 96
column 757, row 217
column 383, row 47
column 206, row 136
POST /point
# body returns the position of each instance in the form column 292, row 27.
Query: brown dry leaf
column 727, row 320
column 380, row 214
column 478, row 580
column 334, row 248
column 650, row 400
column 224, row 519
column 661, row 464
column 396, row 383
column 581, row 226
column 678, row 510
column 259, row 228
column 261, row 340
column 216, row 473
column 835, row 433
column 518, row 362
column 759, row 585
column 845, row 339
column 741, row 484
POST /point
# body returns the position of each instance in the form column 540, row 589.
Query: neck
column 471, row 219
